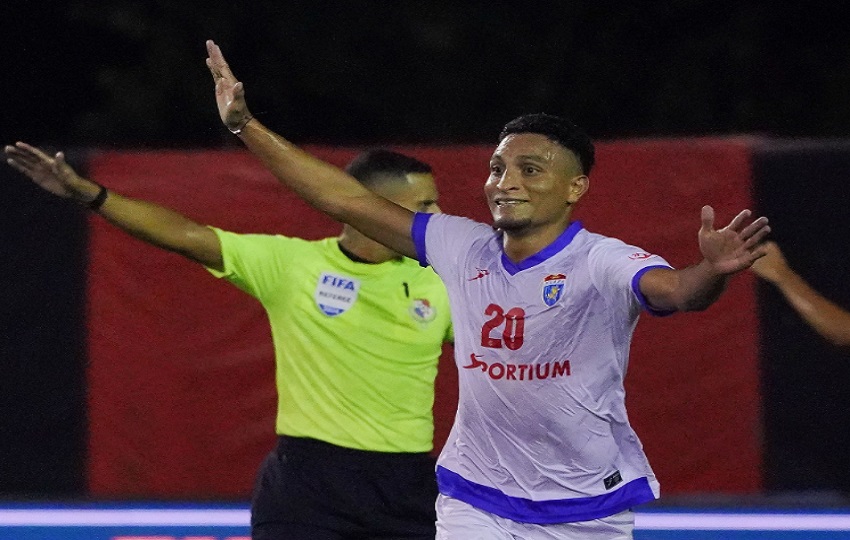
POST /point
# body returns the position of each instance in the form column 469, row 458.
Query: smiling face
column 533, row 184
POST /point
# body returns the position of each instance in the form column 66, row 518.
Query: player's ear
column 578, row 187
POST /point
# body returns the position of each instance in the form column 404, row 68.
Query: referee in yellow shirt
column 357, row 332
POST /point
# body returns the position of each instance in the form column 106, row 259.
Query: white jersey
column 542, row 346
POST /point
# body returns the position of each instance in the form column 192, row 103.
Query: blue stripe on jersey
column 641, row 298
column 555, row 247
column 543, row 512
column 417, row 232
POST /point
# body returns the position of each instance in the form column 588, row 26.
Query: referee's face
column 416, row 191
column 533, row 184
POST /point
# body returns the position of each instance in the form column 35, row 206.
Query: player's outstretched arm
column 322, row 185
column 725, row 252
column 826, row 318
column 152, row 223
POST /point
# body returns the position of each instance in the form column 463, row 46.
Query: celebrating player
column 543, row 314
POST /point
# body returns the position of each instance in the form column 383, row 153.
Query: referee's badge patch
column 336, row 294
column 422, row 310
column 553, row 288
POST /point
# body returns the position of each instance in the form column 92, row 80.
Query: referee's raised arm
column 149, row 222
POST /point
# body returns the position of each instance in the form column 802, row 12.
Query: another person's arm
column 152, row 223
column 725, row 252
column 322, row 185
column 828, row 319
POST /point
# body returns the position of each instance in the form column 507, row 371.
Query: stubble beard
column 513, row 226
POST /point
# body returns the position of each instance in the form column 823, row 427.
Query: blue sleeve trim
column 641, row 298
column 417, row 232
column 494, row 501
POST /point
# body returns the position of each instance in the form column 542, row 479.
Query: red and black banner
column 144, row 376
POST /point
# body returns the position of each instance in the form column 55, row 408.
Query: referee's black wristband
column 98, row 201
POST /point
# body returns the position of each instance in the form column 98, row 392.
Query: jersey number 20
column 514, row 327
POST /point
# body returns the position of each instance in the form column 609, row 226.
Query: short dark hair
column 556, row 129
column 380, row 165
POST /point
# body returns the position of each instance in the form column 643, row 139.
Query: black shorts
column 311, row 490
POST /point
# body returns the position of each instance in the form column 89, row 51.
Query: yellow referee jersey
column 356, row 345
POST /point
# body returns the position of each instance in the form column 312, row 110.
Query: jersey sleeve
column 616, row 269
column 442, row 239
column 255, row 263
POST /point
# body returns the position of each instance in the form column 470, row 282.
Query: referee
column 358, row 331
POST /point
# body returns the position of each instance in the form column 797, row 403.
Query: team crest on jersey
column 336, row 294
column 553, row 288
column 422, row 310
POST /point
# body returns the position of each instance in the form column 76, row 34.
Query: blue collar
column 555, row 247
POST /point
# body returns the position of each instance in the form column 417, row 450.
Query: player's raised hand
column 734, row 247
column 229, row 92
column 50, row 173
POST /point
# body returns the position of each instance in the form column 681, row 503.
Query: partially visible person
column 825, row 317
column 357, row 330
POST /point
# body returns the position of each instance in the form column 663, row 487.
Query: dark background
column 802, row 186
column 131, row 74
column 124, row 73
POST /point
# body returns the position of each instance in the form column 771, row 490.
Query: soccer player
column 825, row 317
column 543, row 313
column 357, row 331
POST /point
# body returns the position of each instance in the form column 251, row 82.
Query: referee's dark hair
column 556, row 129
column 380, row 165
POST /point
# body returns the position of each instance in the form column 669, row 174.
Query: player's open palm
column 229, row 92
column 734, row 247
column 50, row 173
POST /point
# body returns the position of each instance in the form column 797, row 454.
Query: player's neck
column 360, row 248
column 521, row 244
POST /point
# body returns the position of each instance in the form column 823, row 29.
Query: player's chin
column 510, row 224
